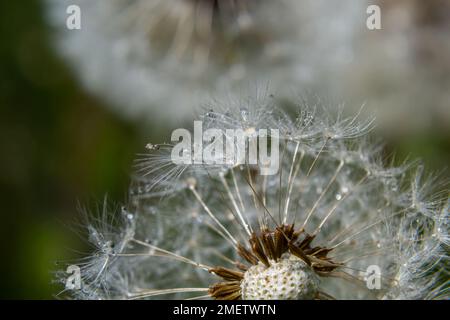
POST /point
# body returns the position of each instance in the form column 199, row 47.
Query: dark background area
column 61, row 147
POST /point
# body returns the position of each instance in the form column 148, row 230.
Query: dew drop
column 150, row 146
column 338, row 196
column 244, row 114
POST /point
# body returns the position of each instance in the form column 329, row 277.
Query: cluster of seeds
column 288, row 279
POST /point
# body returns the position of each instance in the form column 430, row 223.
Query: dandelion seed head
column 141, row 54
column 335, row 207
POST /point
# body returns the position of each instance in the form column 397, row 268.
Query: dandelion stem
column 166, row 253
column 291, row 179
column 368, row 227
column 237, row 190
column 333, row 209
column 233, row 201
column 152, row 293
column 341, row 164
column 199, row 198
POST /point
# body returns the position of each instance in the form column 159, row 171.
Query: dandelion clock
column 335, row 219
column 157, row 59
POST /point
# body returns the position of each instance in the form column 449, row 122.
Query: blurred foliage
column 59, row 146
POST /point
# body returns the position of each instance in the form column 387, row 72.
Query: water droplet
column 244, row 114
column 194, row 214
column 344, row 189
column 150, row 146
column 338, row 196
column 130, row 216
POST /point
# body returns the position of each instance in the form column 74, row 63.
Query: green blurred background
column 61, row 147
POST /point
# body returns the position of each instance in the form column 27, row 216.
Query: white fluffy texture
column 288, row 279
column 333, row 181
column 404, row 68
column 130, row 52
